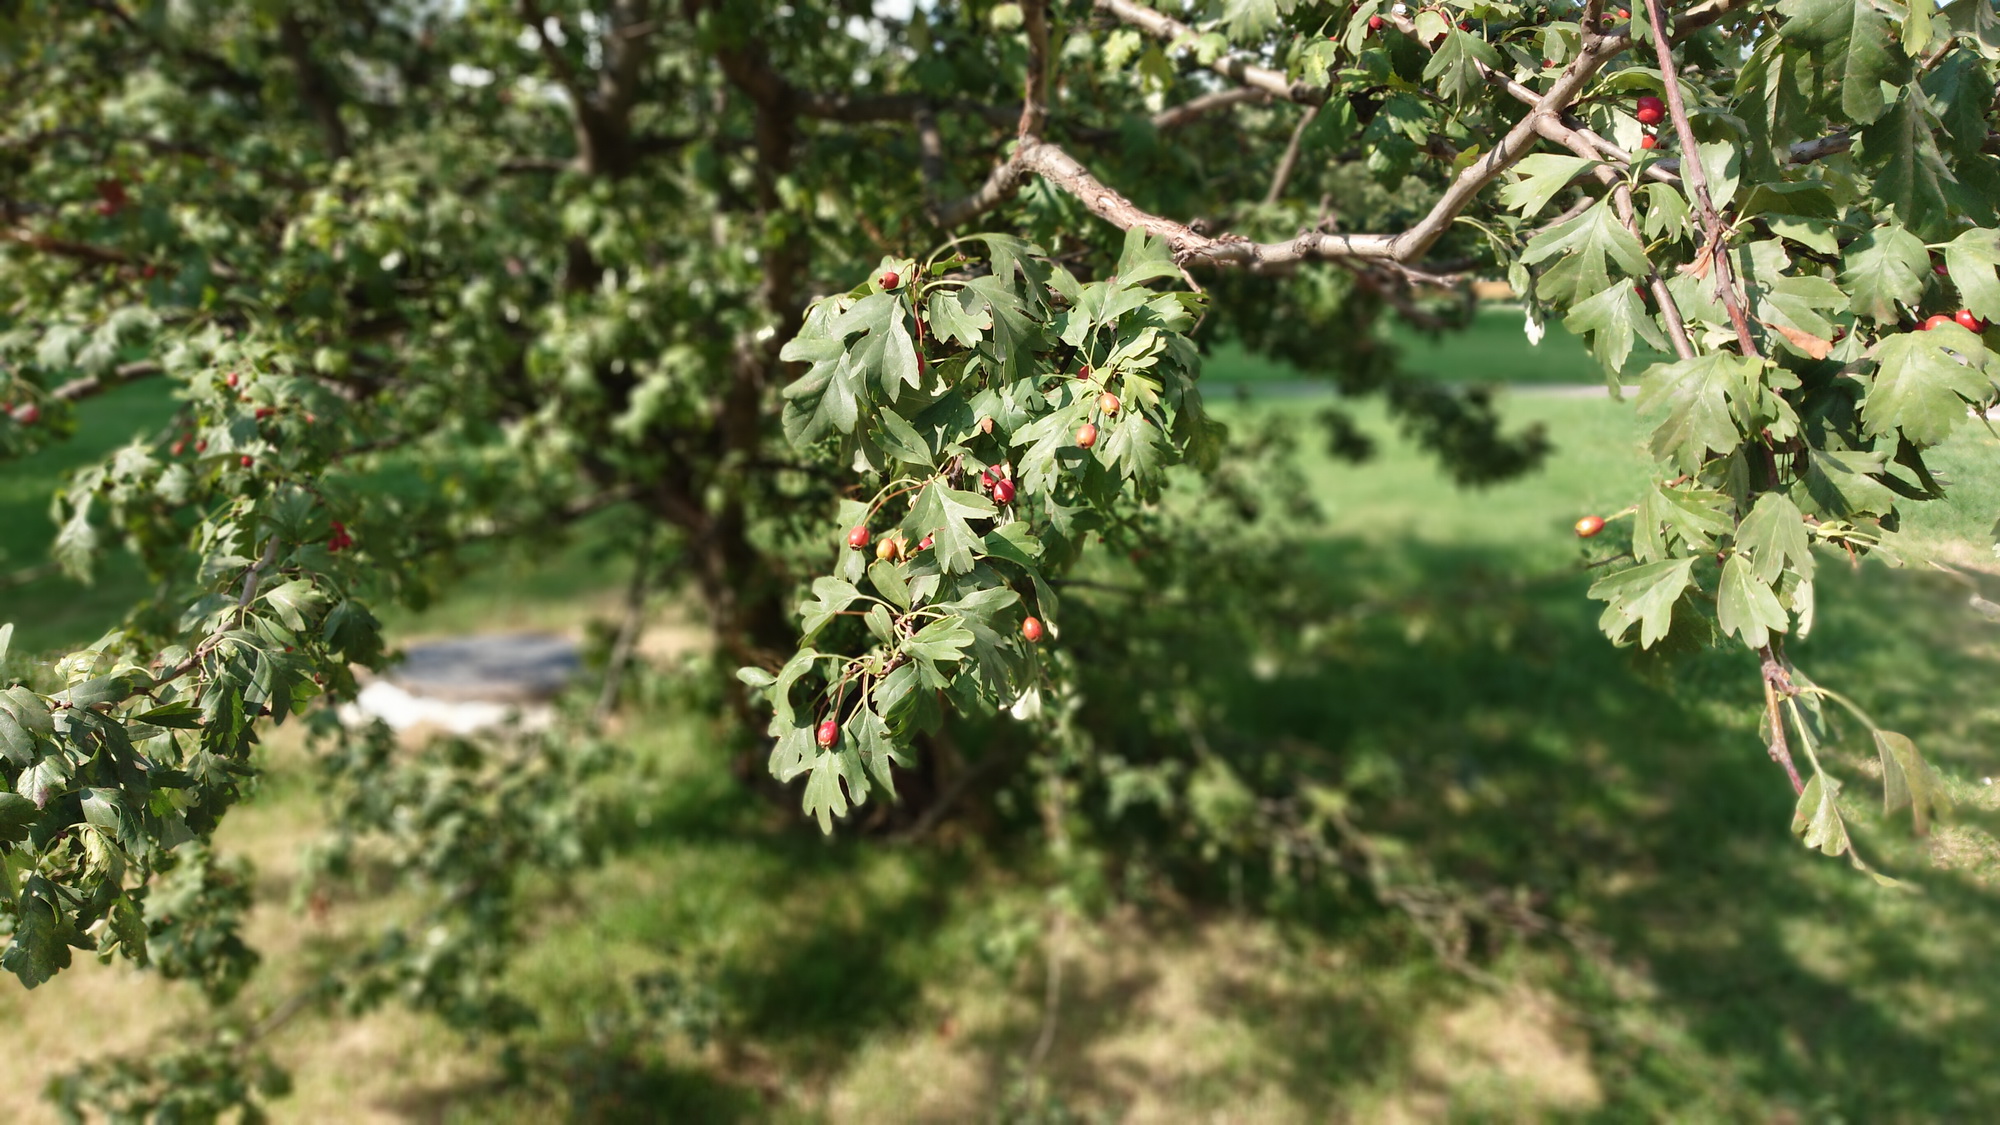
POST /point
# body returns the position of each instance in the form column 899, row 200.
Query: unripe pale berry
column 1086, row 435
column 887, row 550
column 858, row 538
column 1108, row 403
column 1589, row 526
column 28, row 413
column 1031, row 630
column 829, row 733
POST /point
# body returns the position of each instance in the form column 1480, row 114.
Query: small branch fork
column 1778, row 682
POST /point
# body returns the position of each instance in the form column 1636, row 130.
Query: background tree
column 429, row 277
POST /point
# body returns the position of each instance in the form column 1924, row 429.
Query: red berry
column 248, row 460
column 1624, row 13
column 147, row 271
column 1649, row 141
column 1375, row 23
column 264, row 412
column 987, row 479
column 230, row 378
column 1972, row 323
column 1465, row 25
column 1839, row 334
column 1939, row 321
column 858, row 538
column 1589, row 526
column 1939, row 270
column 1003, row 492
column 28, row 413
column 179, row 448
column 1651, row 110
column 1031, row 630
column 829, row 733
column 1548, row 64
column 1086, row 435
column 924, row 544
column 890, row 280
column 1108, row 403
column 201, row 446
column 1083, row 372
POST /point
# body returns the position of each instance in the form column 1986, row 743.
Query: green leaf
column 1614, row 319
column 941, row 642
column 1971, row 259
column 1775, row 535
column 1144, row 258
column 1910, row 174
column 1694, row 394
column 1745, row 605
column 1537, row 180
column 824, row 798
column 103, row 689
column 1883, row 269
column 1455, row 66
column 1850, row 38
column 1644, row 595
column 16, row 744
column 38, row 950
column 1818, row 817
column 1841, row 483
column 887, row 578
column 28, row 710
column 943, row 512
column 824, row 400
column 1585, row 246
column 1920, row 388
column 1907, row 779
column 830, row 596
column 292, row 601
column 17, row 815
column 1693, row 517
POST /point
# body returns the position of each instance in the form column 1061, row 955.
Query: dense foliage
column 425, row 277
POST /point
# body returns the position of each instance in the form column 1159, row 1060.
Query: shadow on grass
column 1483, row 723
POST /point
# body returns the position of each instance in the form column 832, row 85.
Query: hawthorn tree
column 885, row 322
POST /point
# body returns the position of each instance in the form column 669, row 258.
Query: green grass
column 1493, row 350
column 1720, row 972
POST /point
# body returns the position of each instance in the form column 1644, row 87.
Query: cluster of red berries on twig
column 340, row 540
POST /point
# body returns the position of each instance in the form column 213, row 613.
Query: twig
column 1774, row 675
column 1173, row 117
column 1291, row 158
column 631, row 627
column 1697, row 179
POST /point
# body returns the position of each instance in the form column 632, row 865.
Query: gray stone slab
column 503, row 667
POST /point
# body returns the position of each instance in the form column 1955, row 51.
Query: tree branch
column 1175, row 116
column 1232, row 66
column 90, row 385
column 316, row 87
column 1290, row 160
column 1697, row 179
column 1035, row 87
